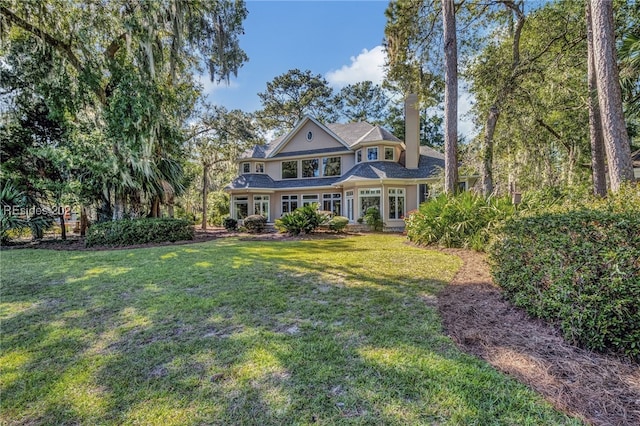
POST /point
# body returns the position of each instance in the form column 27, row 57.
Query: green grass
column 334, row 331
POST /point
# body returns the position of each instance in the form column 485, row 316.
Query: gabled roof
column 283, row 142
column 377, row 134
column 350, row 132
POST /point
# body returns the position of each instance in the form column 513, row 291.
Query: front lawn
column 323, row 331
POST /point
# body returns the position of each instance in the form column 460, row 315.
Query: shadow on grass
column 230, row 332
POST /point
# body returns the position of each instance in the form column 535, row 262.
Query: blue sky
column 341, row 40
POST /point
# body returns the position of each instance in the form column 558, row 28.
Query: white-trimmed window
column 372, row 153
column 359, row 156
column 290, row 169
column 289, row 203
column 311, row 168
column 388, row 153
column 396, row 203
column 259, row 167
column 261, row 205
column 240, row 207
column 331, row 166
column 246, row 167
column 309, row 199
column 332, row 203
column 349, row 201
column 369, row 198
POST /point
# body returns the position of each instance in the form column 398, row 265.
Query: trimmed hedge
column 128, row 232
column 338, row 223
column 579, row 270
column 230, row 224
column 255, row 223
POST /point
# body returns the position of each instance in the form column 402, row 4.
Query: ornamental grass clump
column 304, row 219
column 464, row 220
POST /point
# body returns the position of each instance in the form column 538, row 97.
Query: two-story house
column 344, row 168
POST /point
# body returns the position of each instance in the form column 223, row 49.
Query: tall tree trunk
column 118, row 207
column 595, row 125
column 84, row 222
column 487, row 151
column 205, row 193
column 450, row 98
column 63, row 227
column 504, row 92
column 155, row 207
column 609, row 94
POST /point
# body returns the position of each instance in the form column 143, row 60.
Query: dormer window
column 388, row 153
column 359, row 156
column 259, row 167
column 372, row 153
column 246, row 167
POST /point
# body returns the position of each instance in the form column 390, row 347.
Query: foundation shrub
column 128, row 232
column 577, row 268
column 304, row 219
column 230, row 224
column 255, row 223
column 338, row 223
column 373, row 218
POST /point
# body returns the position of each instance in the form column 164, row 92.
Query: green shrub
column 338, row 223
column 577, row 269
column 463, row 220
column 373, row 219
column 139, row 231
column 302, row 220
column 230, row 224
column 255, row 223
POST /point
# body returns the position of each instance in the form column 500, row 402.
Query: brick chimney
column 411, row 131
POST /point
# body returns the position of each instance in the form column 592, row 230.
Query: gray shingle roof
column 378, row 134
column 427, row 167
column 252, row 180
column 350, row 132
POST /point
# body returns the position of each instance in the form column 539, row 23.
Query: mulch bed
column 599, row 389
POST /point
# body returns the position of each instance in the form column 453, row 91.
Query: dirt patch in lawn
column 599, row 389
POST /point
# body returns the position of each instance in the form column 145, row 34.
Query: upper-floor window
column 259, row 167
column 309, row 136
column 310, row 168
column 289, row 169
column 372, row 153
column 359, row 156
column 331, row 166
column 388, row 153
column 246, row 167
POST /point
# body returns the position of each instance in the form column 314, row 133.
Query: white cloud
column 208, row 86
column 368, row 65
